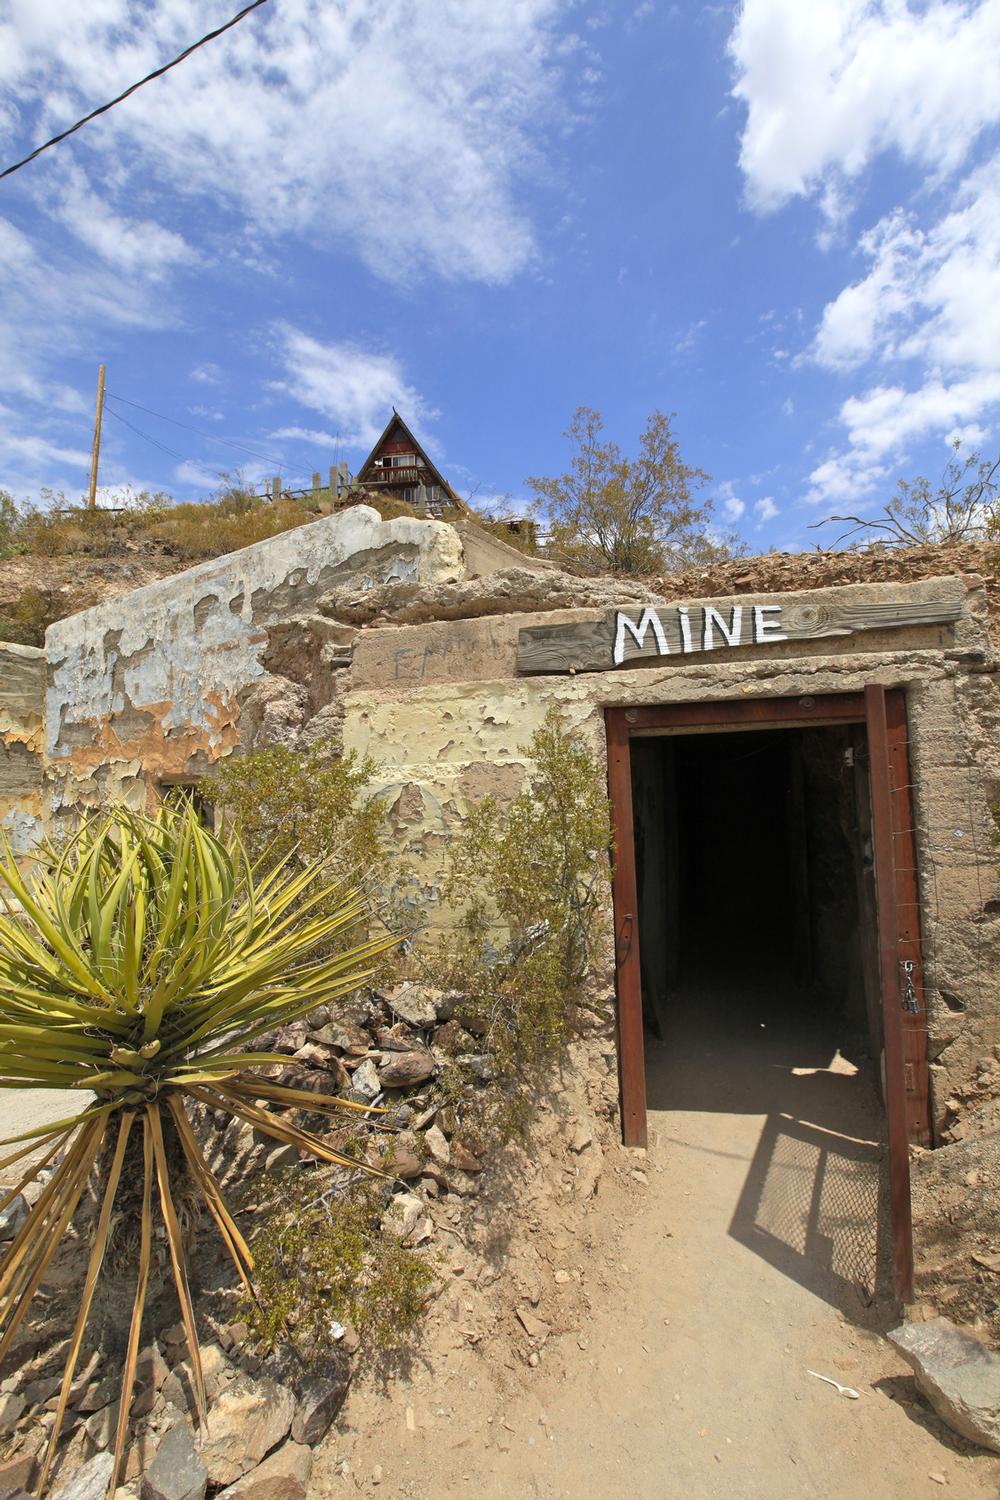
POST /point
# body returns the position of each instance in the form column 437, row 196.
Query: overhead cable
column 156, row 73
column 210, row 437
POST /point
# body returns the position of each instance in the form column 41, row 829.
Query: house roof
column 396, row 424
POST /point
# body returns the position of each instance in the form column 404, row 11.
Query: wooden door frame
column 882, row 712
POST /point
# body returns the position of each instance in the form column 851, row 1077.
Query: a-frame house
column 398, row 467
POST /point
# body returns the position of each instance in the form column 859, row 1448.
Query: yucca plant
column 139, row 963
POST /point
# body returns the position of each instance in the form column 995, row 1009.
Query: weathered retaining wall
column 22, row 708
column 153, row 687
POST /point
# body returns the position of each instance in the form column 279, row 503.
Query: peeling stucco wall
column 442, row 711
column 22, row 708
column 152, row 685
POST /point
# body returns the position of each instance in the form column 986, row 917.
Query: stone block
column 959, row 1376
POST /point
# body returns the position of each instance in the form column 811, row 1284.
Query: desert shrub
column 533, row 876
column 316, row 803
column 10, row 520
column 146, row 959
column 321, row 1256
column 25, row 620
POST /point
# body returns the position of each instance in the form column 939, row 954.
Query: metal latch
column 909, row 1000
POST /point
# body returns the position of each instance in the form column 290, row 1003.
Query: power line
column 210, row 437
column 182, row 457
column 156, row 73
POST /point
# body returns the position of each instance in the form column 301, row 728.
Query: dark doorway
column 753, row 858
column 824, row 833
column 751, row 863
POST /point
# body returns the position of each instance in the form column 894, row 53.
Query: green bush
column 321, row 1255
column 538, row 870
column 315, row 803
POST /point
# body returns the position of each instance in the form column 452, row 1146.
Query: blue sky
column 780, row 220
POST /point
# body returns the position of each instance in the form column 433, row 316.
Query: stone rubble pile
column 266, row 1414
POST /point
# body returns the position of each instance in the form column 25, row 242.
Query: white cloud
column 403, row 129
column 353, row 388
column 688, row 338
column 133, row 246
column 765, row 510
column 199, row 475
column 931, row 303
column 50, row 307
column 829, row 84
column 207, row 374
column 931, row 294
column 732, row 505
column 829, row 87
column 788, row 407
column 305, row 435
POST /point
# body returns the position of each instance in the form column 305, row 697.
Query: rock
column 280, row 1158
column 400, row 1070
column 283, row 1476
column 320, row 1399
column 534, row 1327
column 177, row 1471
column 98, row 1394
column 414, row 1003
column 448, row 1002
column 582, row 1137
column 463, row 1159
column 421, row 1232
column 18, row 1473
column 403, row 1156
column 217, row 1372
column 290, row 1038
column 437, row 1145
column 89, row 1482
column 151, row 1369
column 479, row 1064
column 249, row 1419
column 12, row 1408
column 959, row 1376
column 403, row 1214
column 327, row 1060
column 366, row 1081
column 13, row 1217
column 345, row 1036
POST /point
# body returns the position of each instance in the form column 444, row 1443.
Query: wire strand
column 156, row 73
column 210, row 437
column 181, row 457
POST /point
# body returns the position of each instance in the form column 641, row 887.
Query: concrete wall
column 153, row 685
column 439, row 706
column 22, row 707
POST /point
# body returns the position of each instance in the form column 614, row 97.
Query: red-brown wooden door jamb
column 883, row 712
column 631, row 1052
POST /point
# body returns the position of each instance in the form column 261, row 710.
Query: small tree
column 630, row 515
column 964, row 506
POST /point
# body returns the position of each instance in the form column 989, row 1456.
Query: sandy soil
column 742, row 1256
column 27, row 1109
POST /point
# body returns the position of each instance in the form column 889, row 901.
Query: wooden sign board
column 624, row 637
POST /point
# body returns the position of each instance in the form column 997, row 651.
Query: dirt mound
column 784, row 572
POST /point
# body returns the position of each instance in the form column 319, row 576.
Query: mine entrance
column 768, row 966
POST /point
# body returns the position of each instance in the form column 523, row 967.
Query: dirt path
column 715, row 1285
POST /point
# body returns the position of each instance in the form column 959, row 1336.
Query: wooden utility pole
column 95, row 457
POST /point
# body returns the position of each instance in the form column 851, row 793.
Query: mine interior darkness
column 753, row 856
